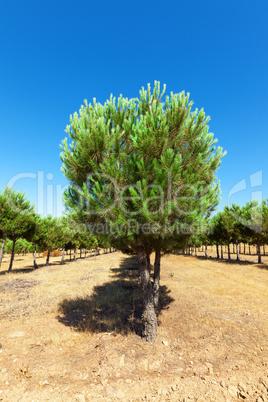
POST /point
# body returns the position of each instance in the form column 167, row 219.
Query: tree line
column 22, row 229
column 234, row 225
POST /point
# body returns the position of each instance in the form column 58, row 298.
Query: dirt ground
column 72, row 332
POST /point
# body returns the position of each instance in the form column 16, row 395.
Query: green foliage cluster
column 23, row 230
column 236, row 224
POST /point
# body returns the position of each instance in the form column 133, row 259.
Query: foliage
column 17, row 217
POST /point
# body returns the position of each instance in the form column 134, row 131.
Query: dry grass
column 77, row 326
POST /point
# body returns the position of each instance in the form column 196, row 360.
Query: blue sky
column 56, row 54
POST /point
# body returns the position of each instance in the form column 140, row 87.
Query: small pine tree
column 17, row 217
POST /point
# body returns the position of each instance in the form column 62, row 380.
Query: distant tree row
column 235, row 225
column 23, row 230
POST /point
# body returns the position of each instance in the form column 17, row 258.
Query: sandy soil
column 72, row 332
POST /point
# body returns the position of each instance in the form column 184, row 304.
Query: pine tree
column 50, row 235
column 144, row 169
column 17, row 217
column 255, row 216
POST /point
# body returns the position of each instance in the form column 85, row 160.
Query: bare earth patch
column 72, row 332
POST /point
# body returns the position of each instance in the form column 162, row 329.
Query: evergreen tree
column 232, row 223
column 35, row 237
column 17, row 217
column 146, row 170
column 50, row 235
column 255, row 223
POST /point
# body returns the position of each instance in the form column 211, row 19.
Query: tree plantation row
column 21, row 229
column 235, row 225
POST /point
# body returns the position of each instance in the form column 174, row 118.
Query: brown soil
column 72, row 332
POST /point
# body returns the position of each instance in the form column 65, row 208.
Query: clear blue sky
column 56, row 54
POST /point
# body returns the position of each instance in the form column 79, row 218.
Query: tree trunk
column 206, row 250
column 259, row 252
column 75, row 254
column 85, row 253
column 237, row 251
column 148, row 317
column 2, row 248
column 249, row 251
column 148, row 262
column 156, row 285
column 244, row 248
column 34, row 257
column 229, row 254
column 48, row 255
column 80, row 253
column 70, row 255
column 217, row 248
column 264, row 249
column 12, row 256
column 62, row 255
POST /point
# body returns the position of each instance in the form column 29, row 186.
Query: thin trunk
column 156, row 285
column 264, row 249
column 229, row 254
column 259, row 252
column 80, row 253
column 206, row 250
column 85, row 253
column 62, row 255
column 148, row 317
column 244, row 248
column 237, row 251
column 12, row 256
column 70, row 255
column 148, row 262
column 48, row 255
column 249, row 251
column 233, row 248
column 221, row 252
column 75, row 254
column 34, row 257
column 217, row 248
column 2, row 248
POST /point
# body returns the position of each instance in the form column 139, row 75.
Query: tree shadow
column 29, row 268
column 224, row 260
column 262, row 266
column 115, row 306
column 25, row 270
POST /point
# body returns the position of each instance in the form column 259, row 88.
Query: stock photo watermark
column 48, row 194
column 135, row 200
